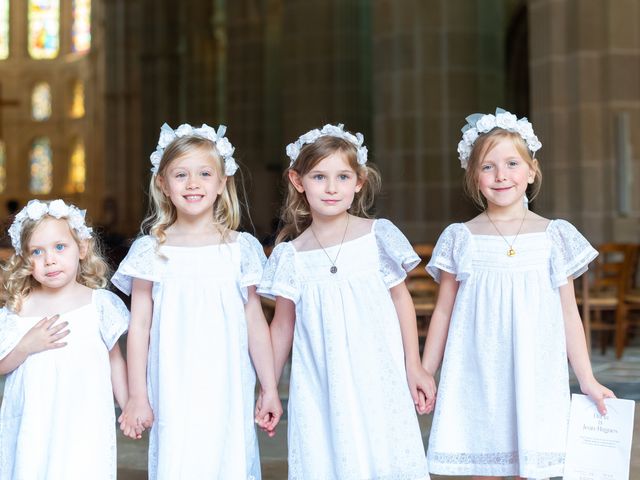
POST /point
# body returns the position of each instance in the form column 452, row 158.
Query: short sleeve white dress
column 351, row 416
column 200, row 378
column 57, row 420
column 503, row 397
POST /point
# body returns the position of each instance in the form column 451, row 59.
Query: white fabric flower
column 58, row 209
column 293, row 149
column 507, row 120
column 36, row 209
column 486, row 123
column 222, row 144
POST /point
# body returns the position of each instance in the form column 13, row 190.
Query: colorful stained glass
column 81, row 28
column 3, row 167
column 77, row 168
column 41, row 102
column 41, row 166
column 44, row 28
column 77, row 100
column 4, row 29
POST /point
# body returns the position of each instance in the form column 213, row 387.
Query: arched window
column 4, row 29
column 44, row 28
column 41, row 102
column 81, row 28
column 77, row 168
column 77, row 100
column 3, row 167
column 41, row 166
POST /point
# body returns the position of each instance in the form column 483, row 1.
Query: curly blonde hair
column 162, row 212
column 18, row 283
column 296, row 213
column 481, row 147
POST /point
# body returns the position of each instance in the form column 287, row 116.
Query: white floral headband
column 36, row 209
column 223, row 145
column 293, row 149
column 479, row 123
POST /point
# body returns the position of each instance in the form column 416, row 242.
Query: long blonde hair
column 481, row 147
column 162, row 213
column 296, row 213
column 18, row 283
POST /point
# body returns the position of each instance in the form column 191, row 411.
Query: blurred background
column 85, row 86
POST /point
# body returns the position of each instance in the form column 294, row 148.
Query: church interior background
column 85, row 86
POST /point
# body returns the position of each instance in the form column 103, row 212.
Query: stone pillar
column 435, row 62
column 585, row 72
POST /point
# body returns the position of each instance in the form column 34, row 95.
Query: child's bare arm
column 119, row 376
column 44, row 335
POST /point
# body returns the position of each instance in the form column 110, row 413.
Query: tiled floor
column 623, row 376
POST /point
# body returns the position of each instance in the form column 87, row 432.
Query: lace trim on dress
column 396, row 254
column 114, row 317
column 141, row 262
column 9, row 332
column 279, row 278
column 252, row 260
column 523, row 463
column 451, row 253
column 571, row 252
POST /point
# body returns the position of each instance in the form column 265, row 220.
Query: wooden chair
column 630, row 305
column 601, row 294
column 423, row 288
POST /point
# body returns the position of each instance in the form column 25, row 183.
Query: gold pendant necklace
column 511, row 252
column 333, row 268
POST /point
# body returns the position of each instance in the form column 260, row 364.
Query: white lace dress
column 503, row 398
column 200, row 378
column 57, row 420
column 351, row 416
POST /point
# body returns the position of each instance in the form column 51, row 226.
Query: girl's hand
column 422, row 387
column 597, row 393
column 268, row 411
column 136, row 417
column 44, row 335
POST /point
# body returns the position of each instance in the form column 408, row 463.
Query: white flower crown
column 293, row 149
column 479, row 123
column 36, row 209
column 223, row 145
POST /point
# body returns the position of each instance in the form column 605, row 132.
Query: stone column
column 435, row 62
column 585, row 73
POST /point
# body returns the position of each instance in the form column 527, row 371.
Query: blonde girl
column 197, row 322
column 341, row 301
column 506, row 317
column 58, row 344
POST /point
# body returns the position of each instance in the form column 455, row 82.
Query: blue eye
column 513, row 163
column 344, row 176
column 36, row 252
column 486, row 168
column 206, row 174
column 60, row 247
column 180, row 175
column 318, row 177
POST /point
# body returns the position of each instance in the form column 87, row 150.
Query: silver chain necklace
column 333, row 268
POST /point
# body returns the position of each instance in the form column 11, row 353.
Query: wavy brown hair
column 162, row 213
column 296, row 213
column 18, row 283
column 481, row 147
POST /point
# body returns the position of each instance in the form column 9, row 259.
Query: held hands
column 268, row 411
column 136, row 417
column 597, row 393
column 44, row 335
column 422, row 387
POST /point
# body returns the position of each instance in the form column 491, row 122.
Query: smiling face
column 55, row 254
column 193, row 182
column 329, row 186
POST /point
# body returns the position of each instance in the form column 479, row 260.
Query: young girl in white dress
column 58, row 344
column 506, row 312
column 196, row 321
column 342, row 301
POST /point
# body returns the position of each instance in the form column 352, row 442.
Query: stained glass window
column 4, row 29
column 77, row 100
column 3, row 166
column 44, row 28
column 41, row 166
column 81, row 29
column 77, row 168
column 41, row 102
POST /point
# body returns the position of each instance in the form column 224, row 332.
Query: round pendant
column 511, row 252
column 333, row 269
